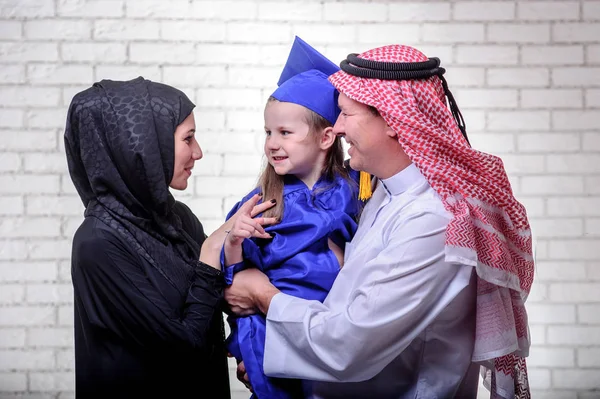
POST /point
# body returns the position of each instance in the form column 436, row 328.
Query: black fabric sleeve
column 120, row 296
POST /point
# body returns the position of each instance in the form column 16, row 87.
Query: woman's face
column 187, row 151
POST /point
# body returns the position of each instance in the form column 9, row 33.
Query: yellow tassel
column 364, row 189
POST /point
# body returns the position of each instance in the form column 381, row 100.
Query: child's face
column 289, row 146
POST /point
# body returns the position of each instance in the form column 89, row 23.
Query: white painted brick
column 9, row 162
column 327, row 34
column 235, row 98
column 575, row 120
column 12, row 338
column 126, row 29
column 156, row 9
column 552, row 55
column 591, row 9
column 250, row 76
column 67, row 95
column 90, row 8
column 27, row 316
column 197, row 76
column 273, row 54
column 94, row 52
column 575, row 32
column 475, row 119
column 12, row 249
column 487, row 55
column 20, row 227
column 551, row 357
column 453, row 33
column 444, row 52
column 493, row 143
column 224, row 10
column 249, row 32
column 551, row 98
column 11, row 205
column 27, row 271
column 588, row 357
column 581, row 206
column 553, row 394
column 245, row 121
column 561, row 185
column 535, row 206
column 207, row 120
column 19, row 140
column 539, row 378
column 573, row 335
column 593, row 54
column 162, row 53
column 45, row 162
column 592, row 227
column 58, row 29
column 484, row 11
column 537, row 334
column 574, row 163
column 23, row 184
column 550, row 313
column 49, row 249
column 11, row 294
column 54, row 205
column 46, row 118
column 26, row 9
column 557, row 227
column 66, row 186
column 65, row 315
column 348, row 12
column 518, row 120
column 560, row 271
column 64, row 270
column 211, row 165
column 290, row 11
column 231, row 143
column 45, row 293
column 579, row 379
column 127, row 72
column 548, row 10
column 548, row 142
column 11, row 118
column 11, row 30
column 588, row 314
column 419, row 11
column 381, row 34
column 575, row 77
column 538, row 293
column 29, row 96
column 71, row 395
column 13, row 381
column 518, row 33
column 206, row 207
column 194, row 31
column 574, row 249
column 70, row 226
column 592, row 184
column 242, row 165
column 575, row 292
column 220, row 186
column 592, row 98
column 486, row 98
column 52, row 381
column 518, row 77
column 234, row 54
column 28, row 51
column 523, row 164
column 465, row 77
column 12, row 74
column 65, row 359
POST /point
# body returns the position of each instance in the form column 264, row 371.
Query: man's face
column 366, row 133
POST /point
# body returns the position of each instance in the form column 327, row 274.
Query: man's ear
column 390, row 132
column 327, row 138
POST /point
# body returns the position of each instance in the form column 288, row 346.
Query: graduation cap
column 303, row 81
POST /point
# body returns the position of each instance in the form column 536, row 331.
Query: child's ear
column 327, row 138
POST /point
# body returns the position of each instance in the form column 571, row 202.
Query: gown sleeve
column 119, row 296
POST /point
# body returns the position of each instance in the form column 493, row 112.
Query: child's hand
column 246, row 226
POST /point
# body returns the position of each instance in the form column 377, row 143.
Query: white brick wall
column 525, row 74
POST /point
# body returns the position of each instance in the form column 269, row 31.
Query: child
column 316, row 205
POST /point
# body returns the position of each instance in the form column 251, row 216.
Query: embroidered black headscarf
column 120, row 147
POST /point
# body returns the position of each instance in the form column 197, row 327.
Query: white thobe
column 398, row 321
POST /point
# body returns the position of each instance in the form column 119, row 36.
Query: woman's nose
column 197, row 152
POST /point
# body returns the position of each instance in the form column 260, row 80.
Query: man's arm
column 393, row 298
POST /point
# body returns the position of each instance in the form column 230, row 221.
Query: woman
column 147, row 310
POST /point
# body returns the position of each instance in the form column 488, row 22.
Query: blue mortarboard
column 303, row 81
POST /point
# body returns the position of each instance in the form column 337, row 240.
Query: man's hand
column 251, row 290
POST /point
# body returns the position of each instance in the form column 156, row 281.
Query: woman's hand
column 211, row 248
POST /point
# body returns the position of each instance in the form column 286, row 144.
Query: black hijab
column 120, row 147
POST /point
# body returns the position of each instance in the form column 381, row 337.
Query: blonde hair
column 271, row 183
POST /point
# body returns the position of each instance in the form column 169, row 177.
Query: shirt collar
column 403, row 180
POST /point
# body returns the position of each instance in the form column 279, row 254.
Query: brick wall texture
column 526, row 75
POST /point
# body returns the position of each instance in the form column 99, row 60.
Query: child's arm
column 243, row 227
column 337, row 251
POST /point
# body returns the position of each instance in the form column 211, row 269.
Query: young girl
column 316, row 205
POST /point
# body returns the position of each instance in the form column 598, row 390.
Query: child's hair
column 271, row 183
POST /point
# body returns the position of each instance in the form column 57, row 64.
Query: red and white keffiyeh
column 489, row 229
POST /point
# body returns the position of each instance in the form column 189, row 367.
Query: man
column 434, row 281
